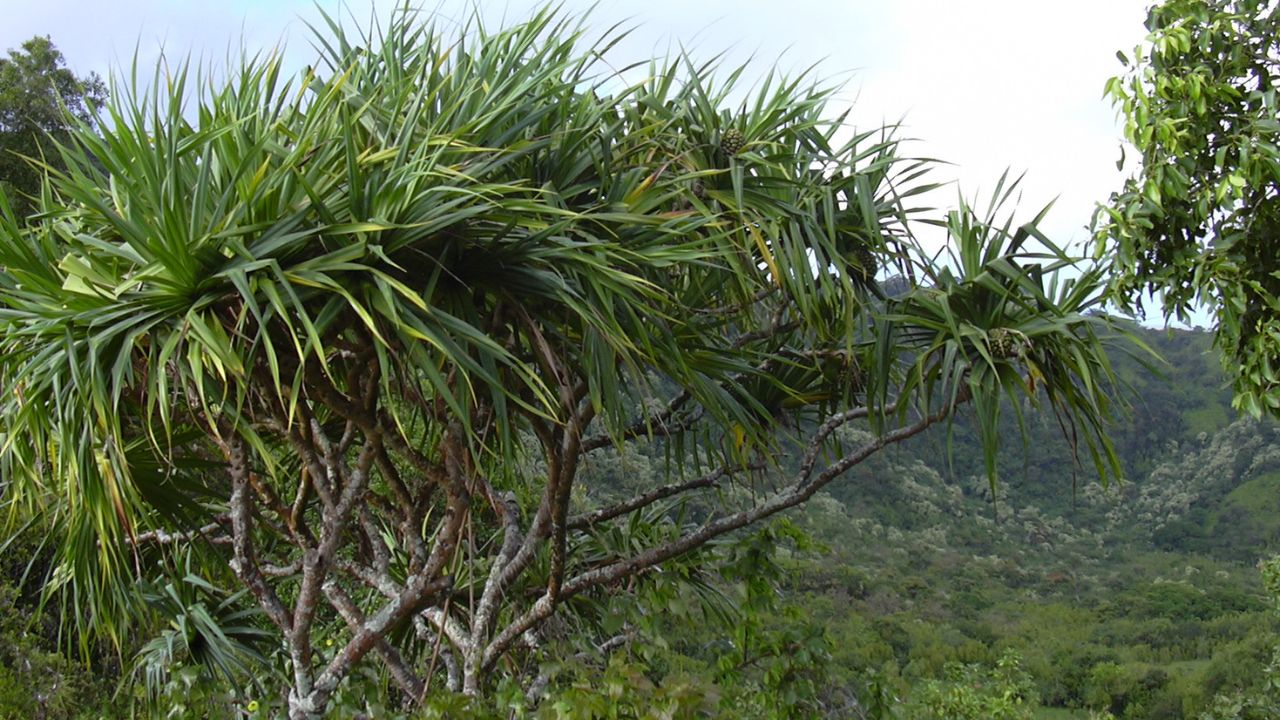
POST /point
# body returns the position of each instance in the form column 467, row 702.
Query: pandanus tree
column 355, row 332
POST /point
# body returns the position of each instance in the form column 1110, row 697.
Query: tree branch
column 244, row 562
column 803, row 487
column 410, row 684
column 710, row 479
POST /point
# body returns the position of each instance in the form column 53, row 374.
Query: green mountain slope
column 1140, row 599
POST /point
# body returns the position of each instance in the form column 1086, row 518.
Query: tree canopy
column 1197, row 224
column 39, row 98
column 352, row 333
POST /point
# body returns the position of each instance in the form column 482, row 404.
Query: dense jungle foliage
column 937, row 580
column 909, row 593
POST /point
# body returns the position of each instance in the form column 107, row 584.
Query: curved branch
column 410, row 684
column 803, row 487
column 586, row 520
column 245, row 561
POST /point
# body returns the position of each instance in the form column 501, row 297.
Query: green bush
column 973, row 692
column 35, row 681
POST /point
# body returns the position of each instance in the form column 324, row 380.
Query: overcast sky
column 984, row 84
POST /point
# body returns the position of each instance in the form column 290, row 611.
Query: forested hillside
column 1141, row 598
